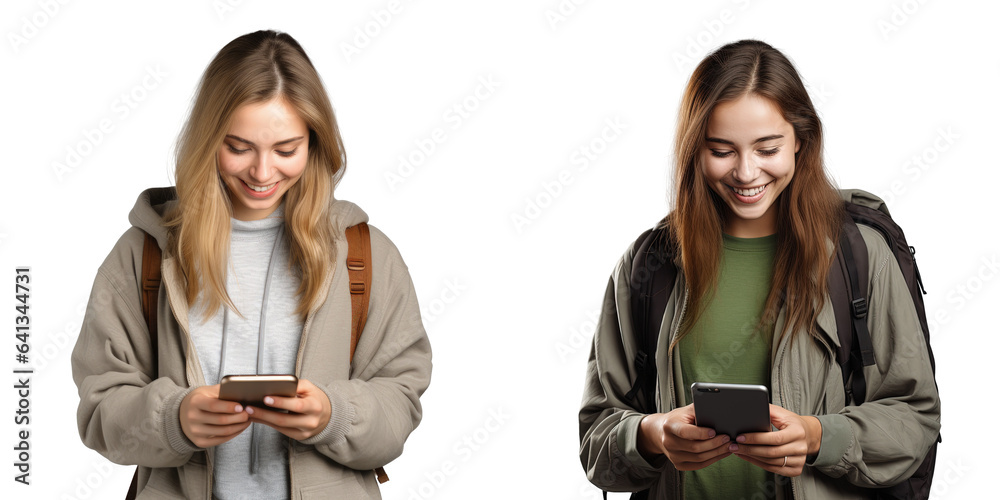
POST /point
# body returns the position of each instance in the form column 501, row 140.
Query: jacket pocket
column 347, row 488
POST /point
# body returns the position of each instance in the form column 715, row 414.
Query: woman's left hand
column 309, row 412
column 783, row 451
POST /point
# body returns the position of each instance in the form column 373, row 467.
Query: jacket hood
column 151, row 206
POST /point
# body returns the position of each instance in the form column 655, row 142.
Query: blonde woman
column 254, row 280
column 754, row 226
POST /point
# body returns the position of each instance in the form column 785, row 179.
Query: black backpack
column 652, row 282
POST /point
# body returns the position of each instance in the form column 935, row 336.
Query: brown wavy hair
column 809, row 209
column 253, row 68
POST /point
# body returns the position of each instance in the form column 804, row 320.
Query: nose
column 746, row 170
column 262, row 168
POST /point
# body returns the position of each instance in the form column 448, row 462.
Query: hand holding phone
column 299, row 416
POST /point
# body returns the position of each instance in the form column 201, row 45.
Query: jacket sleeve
column 374, row 411
column 608, row 423
column 125, row 414
column 882, row 441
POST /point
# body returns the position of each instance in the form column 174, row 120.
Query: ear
column 797, row 144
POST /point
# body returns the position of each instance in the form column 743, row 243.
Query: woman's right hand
column 675, row 435
column 209, row 421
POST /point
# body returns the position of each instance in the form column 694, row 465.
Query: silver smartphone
column 251, row 389
column 731, row 409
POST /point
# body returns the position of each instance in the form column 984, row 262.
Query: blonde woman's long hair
column 256, row 67
column 809, row 209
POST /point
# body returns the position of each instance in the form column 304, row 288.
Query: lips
column 252, row 189
column 751, row 195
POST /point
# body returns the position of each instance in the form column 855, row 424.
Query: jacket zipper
column 781, row 393
column 209, row 453
column 670, row 382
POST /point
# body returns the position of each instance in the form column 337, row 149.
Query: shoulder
column 123, row 264
column 879, row 253
column 383, row 249
column 652, row 241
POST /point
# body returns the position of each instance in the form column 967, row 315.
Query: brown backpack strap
column 150, row 289
column 359, row 270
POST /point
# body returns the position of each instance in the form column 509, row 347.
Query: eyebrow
column 279, row 143
column 762, row 139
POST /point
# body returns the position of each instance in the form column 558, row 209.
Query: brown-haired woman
column 754, row 222
column 254, row 281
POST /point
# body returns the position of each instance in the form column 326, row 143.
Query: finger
column 702, row 465
column 278, row 419
column 295, row 404
column 702, row 456
column 774, row 438
column 689, row 431
column 792, row 466
column 207, row 431
column 213, row 405
column 693, row 461
column 292, row 432
column 764, row 452
column 770, row 438
column 694, row 447
column 208, row 441
column 210, row 418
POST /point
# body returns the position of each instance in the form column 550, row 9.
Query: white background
column 891, row 79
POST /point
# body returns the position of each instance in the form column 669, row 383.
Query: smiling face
column 749, row 159
column 263, row 155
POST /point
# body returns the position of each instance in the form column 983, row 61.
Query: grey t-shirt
column 250, row 248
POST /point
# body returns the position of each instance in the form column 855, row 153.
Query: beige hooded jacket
column 130, row 415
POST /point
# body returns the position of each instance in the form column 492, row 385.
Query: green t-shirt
column 723, row 348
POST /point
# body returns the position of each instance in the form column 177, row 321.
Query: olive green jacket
column 878, row 443
column 130, row 414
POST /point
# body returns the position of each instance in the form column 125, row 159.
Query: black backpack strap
column 862, row 352
column 652, row 282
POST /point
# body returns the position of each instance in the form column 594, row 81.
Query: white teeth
column 260, row 189
column 749, row 192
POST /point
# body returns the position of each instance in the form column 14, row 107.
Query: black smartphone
column 731, row 409
column 251, row 389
